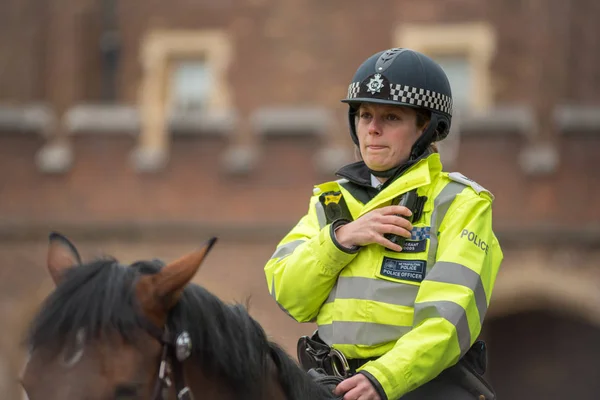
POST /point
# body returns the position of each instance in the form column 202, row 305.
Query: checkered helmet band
column 411, row 95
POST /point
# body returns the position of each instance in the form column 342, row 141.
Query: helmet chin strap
column 426, row 138
column 418, row 149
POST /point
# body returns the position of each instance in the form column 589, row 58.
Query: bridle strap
column 162, row 382
column 183, row 391
column 170, row 364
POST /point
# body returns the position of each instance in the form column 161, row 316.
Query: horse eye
column 126, row 392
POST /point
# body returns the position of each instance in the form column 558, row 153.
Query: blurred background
column 140, row 128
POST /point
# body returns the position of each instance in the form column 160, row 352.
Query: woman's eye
column 393, row 117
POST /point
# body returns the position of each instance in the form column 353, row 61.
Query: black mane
column 227, row 341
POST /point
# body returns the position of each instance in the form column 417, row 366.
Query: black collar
column 359, row 174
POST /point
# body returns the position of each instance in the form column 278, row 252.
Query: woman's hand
column 371, row 227
column 357, row 387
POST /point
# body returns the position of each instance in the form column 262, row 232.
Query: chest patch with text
column 408, row 270
column 412, row 246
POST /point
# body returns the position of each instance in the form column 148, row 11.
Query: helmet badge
column 375, row 84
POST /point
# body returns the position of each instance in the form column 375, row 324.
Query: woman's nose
column 374, row 127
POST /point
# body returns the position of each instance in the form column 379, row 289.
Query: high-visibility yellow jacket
column 417, row 311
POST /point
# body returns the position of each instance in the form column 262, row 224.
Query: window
column 182, row 70
column 464, row 50
column 460, row 75
column 191, row 85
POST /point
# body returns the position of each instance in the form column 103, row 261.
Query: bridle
column 175, row 350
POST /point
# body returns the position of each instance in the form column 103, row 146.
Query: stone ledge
column 577, row 119
column 54, row 158
column 102, row 118
column 538, row 159
column 499, row 120
column 329, row 159
column 240, row 160
column 37, row 118
column 283, row 121
column 288, row 121
column 149, row 160
column 219, row 123
column 125, row 119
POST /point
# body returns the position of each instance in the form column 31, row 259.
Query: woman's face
column 386, row 134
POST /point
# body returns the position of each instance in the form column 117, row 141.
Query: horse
column 144, row 331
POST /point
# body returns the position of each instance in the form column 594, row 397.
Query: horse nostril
column 126, row 392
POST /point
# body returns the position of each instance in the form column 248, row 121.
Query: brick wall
column 102, row 185
column 294, row 52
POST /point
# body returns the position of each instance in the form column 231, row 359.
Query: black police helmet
column 403, row 77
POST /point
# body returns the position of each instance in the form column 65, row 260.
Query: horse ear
column 62, row 255
column 167, row 285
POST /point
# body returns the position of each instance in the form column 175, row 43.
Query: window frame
column 159, row 52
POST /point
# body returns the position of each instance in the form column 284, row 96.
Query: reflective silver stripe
column 332, row 293
column 447, row 272
column 362, row 333
column 287, row 249
column 440, row 207
column 380, row 290
column 450, row 311
column 321, row 215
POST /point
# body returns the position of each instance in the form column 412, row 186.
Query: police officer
column 395, row 261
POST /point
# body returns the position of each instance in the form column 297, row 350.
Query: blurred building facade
column 145, row 120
